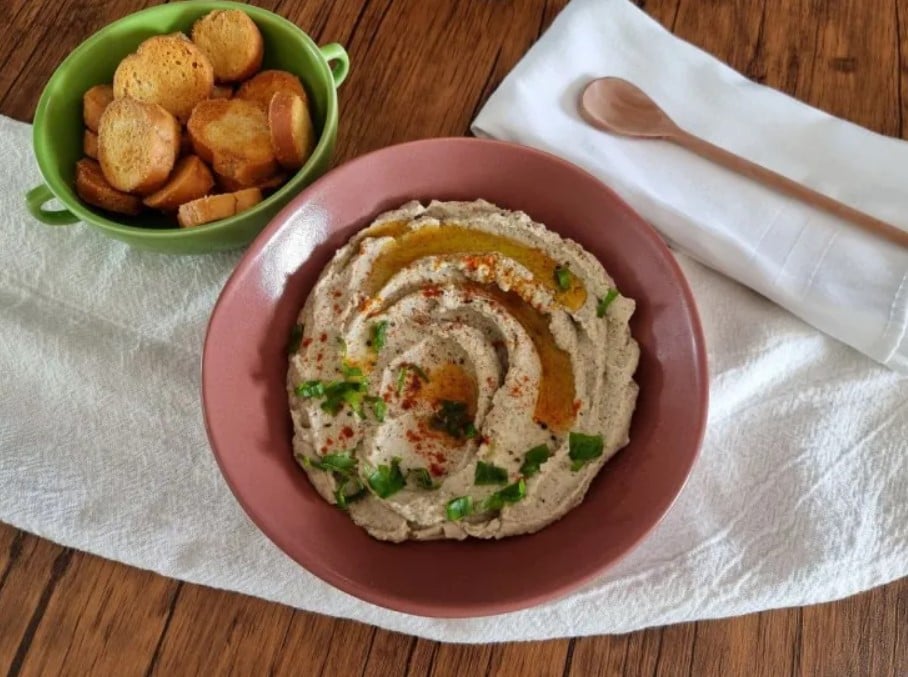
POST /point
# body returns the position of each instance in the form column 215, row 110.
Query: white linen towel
column 798, row 495
column 849, row 284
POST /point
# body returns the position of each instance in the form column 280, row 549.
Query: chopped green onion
column 387, row 480
column 379, row 335
column 534, row 458
column 488, row 473
column 356, row 490
column 341, row 462
column 563, row 277
column 469, row 430
column 350, row 371
column 422, row 478
column 458, row 508
column 583, row 448
column 310, row 389
column 510, row 494
column 605, row 301
column 296, row 335
column 379, row 407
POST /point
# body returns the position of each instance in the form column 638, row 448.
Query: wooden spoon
column 618, row 106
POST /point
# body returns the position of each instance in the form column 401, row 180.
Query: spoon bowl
column 618, row 106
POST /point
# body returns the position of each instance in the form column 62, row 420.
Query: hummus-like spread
column 459, row 370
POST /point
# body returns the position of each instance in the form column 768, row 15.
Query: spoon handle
column 780, row 183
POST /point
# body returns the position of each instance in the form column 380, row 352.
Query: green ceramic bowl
column 58, row 125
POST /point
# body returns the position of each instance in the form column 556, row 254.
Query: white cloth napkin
column 798, row 497
column 849, row 284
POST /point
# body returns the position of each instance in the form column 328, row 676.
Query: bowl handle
column 35, row 199
column 338, row 61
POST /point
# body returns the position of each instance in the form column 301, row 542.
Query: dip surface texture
column 460, row 370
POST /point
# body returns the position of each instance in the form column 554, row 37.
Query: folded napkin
column 849, row 284
column 798, row 496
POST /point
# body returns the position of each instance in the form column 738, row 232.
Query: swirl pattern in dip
column 459, row 370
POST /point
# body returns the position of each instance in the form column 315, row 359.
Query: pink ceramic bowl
column 245, row 362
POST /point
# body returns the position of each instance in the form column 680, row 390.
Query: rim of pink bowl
column 516, row 602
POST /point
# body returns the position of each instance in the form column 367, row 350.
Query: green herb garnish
column 510, row 494
column 340, row 462
column 310, row 389
column 379, row 335
column 583, row 448
column 422, row 478
column 402, row 375
column 379, row 407
column 339, row 393
column 534, row 458
column 452, row 418
column 563, row 277
column 348, row 490
column 296, row 335
column 387, row 480
column 605, row 301
column 458, row 508
column 488, row 473
column 350, row 371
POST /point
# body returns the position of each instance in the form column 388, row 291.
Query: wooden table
column 423, row 68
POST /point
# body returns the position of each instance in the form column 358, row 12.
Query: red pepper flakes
column 318, row 358
column 307, row 342
column 436, row 470
column 347, row 431
column 323, row 337
column 431, row 291
column 337, row 293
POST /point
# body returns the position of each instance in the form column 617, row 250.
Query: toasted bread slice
column 233, row 135
column 216, row 207
column 94, row 101
column 167, row 70
column 137, row 145
column 262, row 87
column 246, row 198
column 232, row 42
column 268, row 185
column 206, row 209
column 191, row 179
column 90, row 144
column 94, row 189
column 292, row 135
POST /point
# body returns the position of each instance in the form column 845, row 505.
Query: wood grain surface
column 422, row 68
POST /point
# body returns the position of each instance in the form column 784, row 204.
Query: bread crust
column 168, row 70
column 262, row 87
column 190, row 180
column 90, row 144
column 94, row 101
column 233, row 135
column 232, row 42
column 94, row 189
column 215, row 207
column 292, row 135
